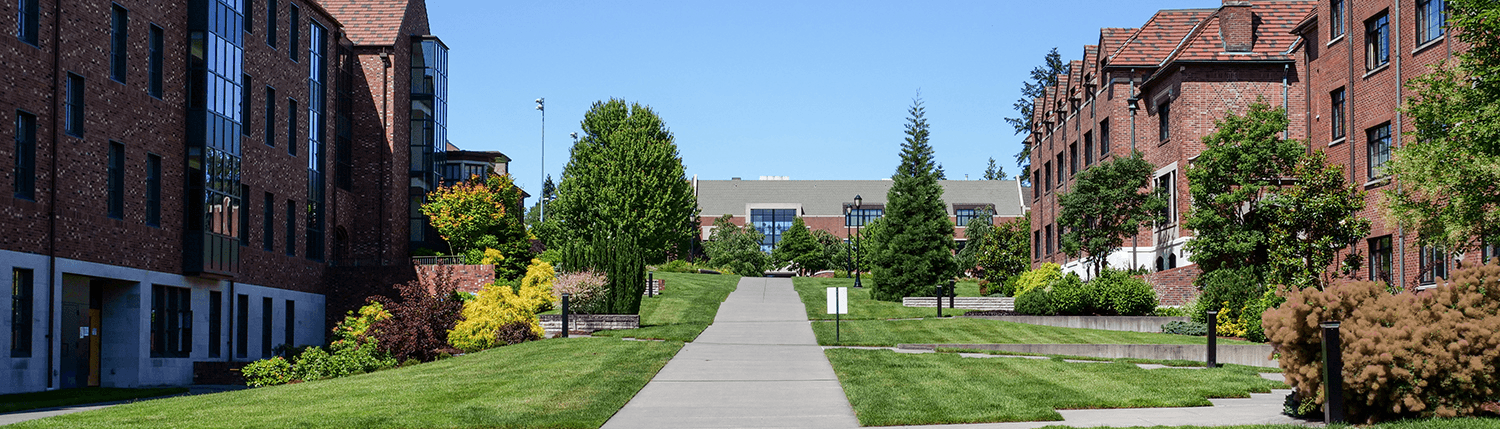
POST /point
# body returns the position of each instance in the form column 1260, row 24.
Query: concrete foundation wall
column 1108, row 323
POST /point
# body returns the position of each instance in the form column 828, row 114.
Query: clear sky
column 806, row 89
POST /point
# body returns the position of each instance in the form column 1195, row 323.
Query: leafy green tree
column 798, row 247
column 509, row 233
column 917, row 238
column 977, row 233
column 833, row 249
column 1042, row 76
column 1108, row 203
column 1007, row 252
column 625, row 179
column 1242, row 164
column 549, row 192
column 736, row 248
column 994, row 172
column 1313, row 219
column 463, row 213
column 1448, row 173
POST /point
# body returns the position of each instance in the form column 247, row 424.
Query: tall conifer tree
column 916, row 244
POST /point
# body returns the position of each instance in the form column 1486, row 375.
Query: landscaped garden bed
column 683, row 311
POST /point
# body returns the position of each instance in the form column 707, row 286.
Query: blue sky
column 806, row 89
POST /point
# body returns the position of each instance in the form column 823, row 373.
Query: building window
column 1488, row 251
column 415, row 220
column 1036, row 244
column 1088, row 148
column 291, row 228
column 1061, row 163
column 1165, row 186
column 25, row 183
column 962, row 217
column 1048, row 183
column 271, row 7
column 21, row 290
column 153, row 190
column 1036, row 177
column 1336, row 25
column 215, row 323
column 74, row 108
column 294, row 31
column 317, row 64
column 291, row 324
column 265, row 327
column 772, row 223
column 268, row 223
column 118, row 42
column 861, row 217
column 154, row 87
column 1336, row 113
column 1050, row 247
column 1073, row 158
column 171, row 321
column 1377, row 42
column 270, row 116
column 291, row 127
column 1379, row 144
column 26, row 20
column 242, row 326
column 1103, row 138
column 1380, row 259
column 1434, row 264
column 1164, row 121
column 429, row 111
column 245, row 105
column 1430, row 20
column 116, row 172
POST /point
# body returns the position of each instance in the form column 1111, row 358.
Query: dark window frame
column 266, row 345
column 270, row 116
column 215, row 323
column 1377, row 41
column 153, row 189
column 249, row 16
column 1051, row 246
column 291, row 126
column 1104, row 142
column 25, row 156
column 1337, row 100
column 74, row 106
column 1431, row 21
column 154, row 43
column 28, row 15
column 1036, row 244
column 1377, row 150
column 294, row 31
column 1381, row 259
column 1088, row 148
column 115, row 172
column 242, row 326
column 119, row 42
column 1047, row 166
column 1164, row 120
column 171, row 321
column 1336, row 26
column 1072, row 159
column 289, row 337
column 1434, row 266
column 271, row 23
column 22, row 310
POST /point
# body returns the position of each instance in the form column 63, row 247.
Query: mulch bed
column 995, row 313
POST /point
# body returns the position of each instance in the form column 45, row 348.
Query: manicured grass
column 1179, row 363
column 814, row 293
column 961, row 330
column 87, row 395
column 560, row 383
column 1462, row 423
column 888, row 388
column 686, row 306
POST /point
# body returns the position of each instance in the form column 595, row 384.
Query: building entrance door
column 80, row 343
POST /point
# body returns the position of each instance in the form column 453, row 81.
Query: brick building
column 773, row 203
column 1158, row 89
column 185, row 178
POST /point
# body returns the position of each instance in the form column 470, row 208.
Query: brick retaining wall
column 586, row 323
column 965, row 302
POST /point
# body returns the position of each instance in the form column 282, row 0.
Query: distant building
column 773, row 203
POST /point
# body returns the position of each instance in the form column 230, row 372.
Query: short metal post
column 952, row 294
column 1333, row 374
column 937, row 292
column 565, row 315
column 651, row 284
column 1213, row 339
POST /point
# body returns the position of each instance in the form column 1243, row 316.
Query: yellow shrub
column 1229, row 326
column 538, row 280
column 498, row 305
column 491, row 257
column 1038, row 278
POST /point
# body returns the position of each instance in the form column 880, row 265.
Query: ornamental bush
column 1430, row 353
column 585, row 289
column 1120, row 293
column 499, row 305
column 1185, row 328
column 1039, row 277
column 267, row 372
column 1113, row 293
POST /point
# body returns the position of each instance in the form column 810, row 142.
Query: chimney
column 1236, row 26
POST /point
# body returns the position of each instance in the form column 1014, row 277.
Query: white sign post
column 838, row 303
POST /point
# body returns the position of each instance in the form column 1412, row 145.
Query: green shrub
column 1226, row 288
column 1185, row 328
column 1123, row 294
column 267, row 372
column 1070, row 296
column 1170, row 311
column 1113, row 293
column 1037, row 278
column 1424, row 354
column 677, row 266
column 1037, row 303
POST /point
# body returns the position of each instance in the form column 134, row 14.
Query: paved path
column 757, row 365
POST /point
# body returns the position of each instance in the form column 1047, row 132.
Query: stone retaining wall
column 1109, row 323
column 585, row 323
column 1251, row 355
column 965, row 302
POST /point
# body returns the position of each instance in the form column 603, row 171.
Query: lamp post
column 541, row 105
column 857, row 203
column 848, row 252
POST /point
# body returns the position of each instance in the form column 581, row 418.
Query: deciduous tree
column 1108, row 203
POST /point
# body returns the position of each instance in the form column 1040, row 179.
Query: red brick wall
column 1175, row 286
column 470, row 278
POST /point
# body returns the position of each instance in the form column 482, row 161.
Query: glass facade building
column 772, row 223
column 429, row 125
column 317, row 78
column 215, row 64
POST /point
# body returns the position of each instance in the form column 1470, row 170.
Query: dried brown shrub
column 1432, row 353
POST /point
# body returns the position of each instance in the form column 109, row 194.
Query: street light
column 848, row 222
column 541, row 105
column 857, row 203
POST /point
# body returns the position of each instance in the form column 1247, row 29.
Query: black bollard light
column 565, row 315
column 1213, row 339
column 1333, row 374
column 952, row 294
column 937, row 292
column 651, row 284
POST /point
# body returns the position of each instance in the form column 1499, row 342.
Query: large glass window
column 862, row 217
column 1434, row 264
column 429, row 111
column 116, row 173
column 962, row 216
column 1377, row 42
column 171, row 321
column 73, row 111
column 154, row 62
column 26, row 19
column 21, row 292
column 1103, row 138
column 153, row 189
column 1166, row 187
column 317, row 62
column 772, row 223
column 25, row 183
column 216, row 108
column 1379, row 149
column 1430, row 20
column 1336, row 113
column 119, row 38
column 1380, row 259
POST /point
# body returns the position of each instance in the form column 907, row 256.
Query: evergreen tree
column 916, row 242
column 994, row 172
column 977, row 234
column 1042, row 76
column 798, row 247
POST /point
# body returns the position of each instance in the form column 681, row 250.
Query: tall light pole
column 857, row 203
column 541, row 104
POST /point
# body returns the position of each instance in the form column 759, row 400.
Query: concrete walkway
column 757, row 365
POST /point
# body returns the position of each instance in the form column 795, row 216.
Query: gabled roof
column 1090, row 64
column 1111, row 39
column 1272, row 28
column 371, row 22
column 1155, row 40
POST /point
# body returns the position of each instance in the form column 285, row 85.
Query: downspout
column 1396, row 141
column 1286, row 69
column 1135, row 240
column 57, row 73
column 385, row 95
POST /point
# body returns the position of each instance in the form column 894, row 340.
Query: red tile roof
column 1273, row 39
column 1162, row 34
column 370, row 22
column 1110, row 39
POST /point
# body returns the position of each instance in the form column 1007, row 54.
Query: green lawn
column 559, row 383
column 683, row 310
column 1180, row 363
column 1462, row 423
column 888, row 388
column 960, row 330
column 814, row 293
column 87, row 395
